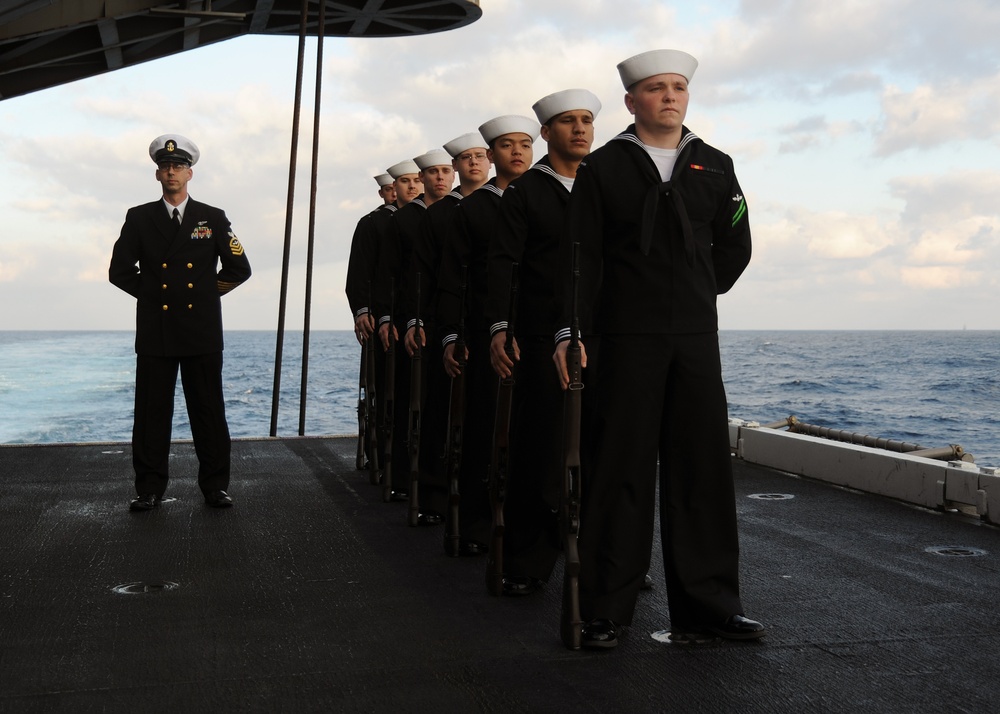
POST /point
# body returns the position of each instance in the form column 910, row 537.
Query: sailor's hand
column 410, row 340
column 559, row 358
column 364, row 326
column 383, row 334
column 451, row 365
column 502, row 364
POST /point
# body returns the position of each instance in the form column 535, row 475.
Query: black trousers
column 531, row 539
column 660, row 396
column 155, row 382
column 433, row 428
column 475, row 517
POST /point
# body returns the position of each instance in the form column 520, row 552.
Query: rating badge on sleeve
column 235, row 247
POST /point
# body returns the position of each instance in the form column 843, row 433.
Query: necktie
column 177, row 217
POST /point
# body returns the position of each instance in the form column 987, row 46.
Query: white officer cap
column 472, row 140
column 654, row 62
column 383, row 180
column 434, row 157
column 564, row 101
column 509, row 124
column 174, row 148
column 402, row 168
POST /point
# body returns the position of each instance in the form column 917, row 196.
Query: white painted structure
column 914, row 479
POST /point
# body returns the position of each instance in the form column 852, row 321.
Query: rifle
column 370, row 411
column 388, row 399
column 456, row 427
column 570, row 624
column 371, row 397
column 414, row 436
column 359, row 461
column 500, row 462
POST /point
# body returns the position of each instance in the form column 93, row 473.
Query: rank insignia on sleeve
column 741, row 208
column 235, row 247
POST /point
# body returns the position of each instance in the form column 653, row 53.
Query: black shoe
column 738, row 627
column 599, row 634
column 469, row 547
column 400, row 496
column 145, row 502
column 647, row 583
column 429, row 518
column 218, row 499
column 516, row 585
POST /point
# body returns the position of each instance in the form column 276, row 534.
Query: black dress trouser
column 155, row 383
column 660, row 396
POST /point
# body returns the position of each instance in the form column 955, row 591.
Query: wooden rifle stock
column 359, row 460
column 371, row 399
column 456, row 428
column 570, row 624
column 413, row 438
column 388, row 400
column 371, row 411
column 500, row 463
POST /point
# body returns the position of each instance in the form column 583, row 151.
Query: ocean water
column 930, row 388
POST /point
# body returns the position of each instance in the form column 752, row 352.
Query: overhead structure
column 44, row 43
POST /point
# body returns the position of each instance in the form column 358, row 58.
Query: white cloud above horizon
column 865, row 136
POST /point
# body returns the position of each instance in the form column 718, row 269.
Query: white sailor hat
column 509, row 124
column 383, row 180
column 174, row 148
column 402, row 168
column 434, row 157
column 472, row 140
column 564, row 101
column 656, row 62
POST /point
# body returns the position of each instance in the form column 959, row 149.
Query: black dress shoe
column 218, row 499
column 145, row 502
column 599, row 634
column 516, row 585
column 400, row 496
column 429, row 518
column 469, row 547
column 647, row 583
column 738, row 627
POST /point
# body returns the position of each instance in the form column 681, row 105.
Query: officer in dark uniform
column 177, row 257
column 663, row 230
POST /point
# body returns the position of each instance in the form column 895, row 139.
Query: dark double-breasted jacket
column 177, row 276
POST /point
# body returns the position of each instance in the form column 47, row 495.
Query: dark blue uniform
column 177, row 276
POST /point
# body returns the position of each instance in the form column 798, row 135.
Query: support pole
column 282, row 302
column 312, row 218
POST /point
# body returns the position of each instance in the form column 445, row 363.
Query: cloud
column 933, row 116
column 830, row 111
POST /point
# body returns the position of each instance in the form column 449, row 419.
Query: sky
column 865, row 135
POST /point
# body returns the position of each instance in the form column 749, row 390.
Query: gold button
column 189, row 265
column 190, row 285
column 164, row 307
column 164, row 286
column 164, row 265
column 190, row 307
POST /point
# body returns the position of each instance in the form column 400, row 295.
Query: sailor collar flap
column 657, row 188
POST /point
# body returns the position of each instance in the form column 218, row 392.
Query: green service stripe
column 740, row 212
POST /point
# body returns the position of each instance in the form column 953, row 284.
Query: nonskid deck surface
column 313, row 595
